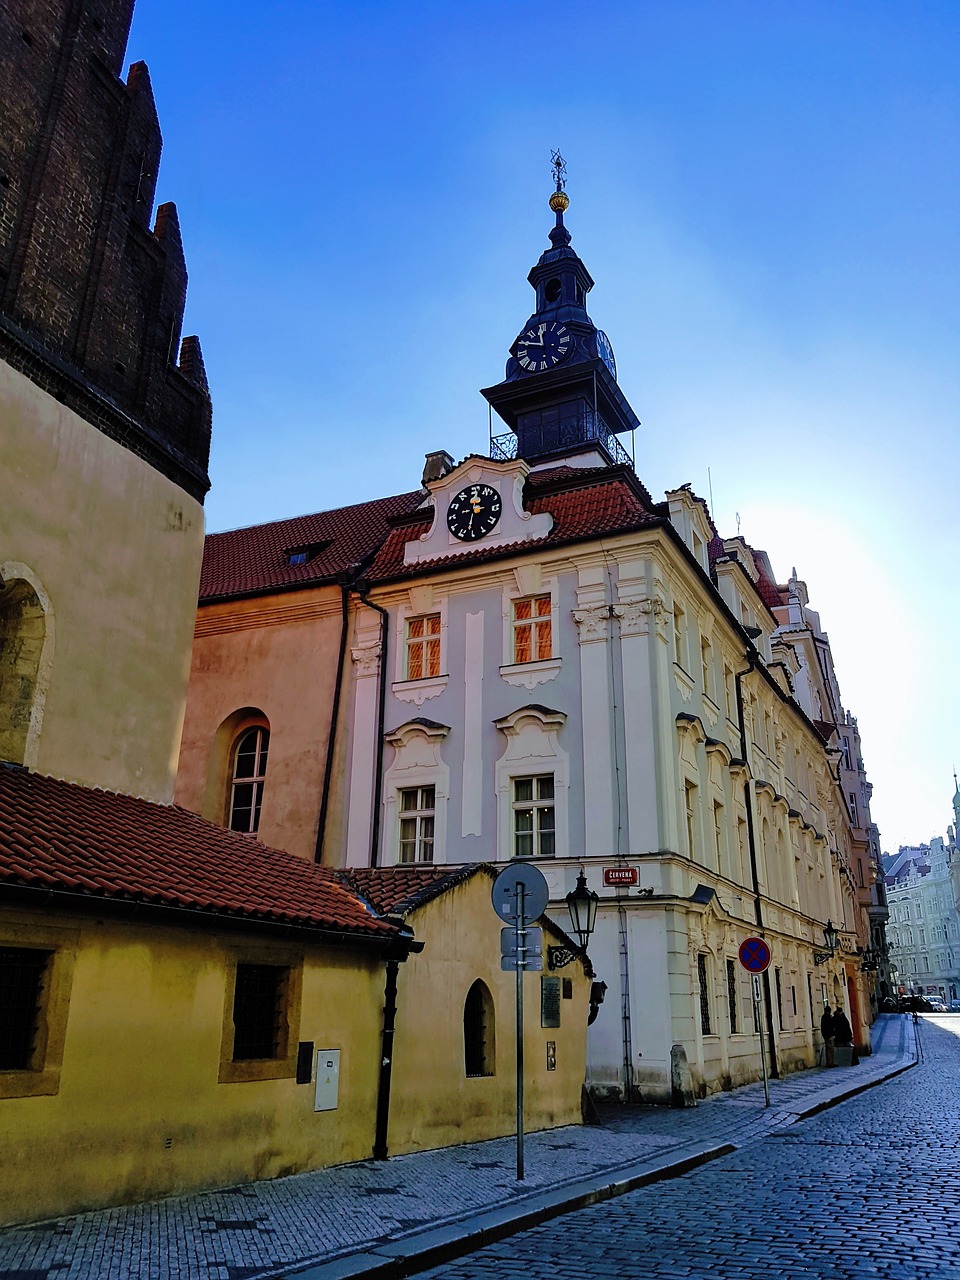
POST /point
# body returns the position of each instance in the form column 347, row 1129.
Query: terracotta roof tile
column 589, row 504
column 248, row 561
column 398, row 890
column 108, row 846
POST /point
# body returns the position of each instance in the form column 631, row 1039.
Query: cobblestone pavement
column 272, row 1228
column 869, row 1190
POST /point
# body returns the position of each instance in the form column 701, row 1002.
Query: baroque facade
column 535, row 659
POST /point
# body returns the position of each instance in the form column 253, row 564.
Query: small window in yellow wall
column 259, row 1012
column 532, row 629
column 23, row 988
column 479, row 1044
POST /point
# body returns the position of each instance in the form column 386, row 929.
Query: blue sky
column 766, row 194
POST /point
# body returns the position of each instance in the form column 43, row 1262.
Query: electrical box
column 328, row 1080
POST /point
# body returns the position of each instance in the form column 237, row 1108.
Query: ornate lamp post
column 831, row 936
column 582, row 905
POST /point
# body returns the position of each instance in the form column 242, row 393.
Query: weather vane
column 559, row 169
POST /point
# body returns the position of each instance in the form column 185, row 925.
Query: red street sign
column 621, row 875
column 754, row 955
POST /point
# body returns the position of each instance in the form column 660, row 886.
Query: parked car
column 954, row 1006
column 936, row 1005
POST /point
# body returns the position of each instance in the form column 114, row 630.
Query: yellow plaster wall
column 116, row 548
column 433, row 1103
column 278, row 655
column 140, row 1066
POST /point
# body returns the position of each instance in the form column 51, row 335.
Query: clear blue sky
column 766, row 193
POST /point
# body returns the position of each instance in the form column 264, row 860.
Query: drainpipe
column 381, row 709
column 334, row 715
column 625, row 1006
column 751, row 656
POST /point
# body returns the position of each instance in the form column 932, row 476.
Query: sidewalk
column 393, row 1218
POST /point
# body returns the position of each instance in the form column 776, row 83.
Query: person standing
column 827, row 1032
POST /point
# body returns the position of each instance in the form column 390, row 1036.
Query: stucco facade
column 106, row 552
column 137, row 1106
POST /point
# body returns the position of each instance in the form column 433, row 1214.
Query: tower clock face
column 605, row 352
column 543, row 345
column 474, row 512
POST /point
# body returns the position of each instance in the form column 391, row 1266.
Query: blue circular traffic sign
column 754, row 955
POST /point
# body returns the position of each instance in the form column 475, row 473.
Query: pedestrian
column 843, row 1037
column 826, row 1030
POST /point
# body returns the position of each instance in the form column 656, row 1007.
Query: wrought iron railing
column 590, row 427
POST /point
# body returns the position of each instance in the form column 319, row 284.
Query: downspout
column 381, row 710
column 627, row 1030
column 751, row 655
column 334, row 716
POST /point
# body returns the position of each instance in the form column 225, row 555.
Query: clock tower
column 560, row 390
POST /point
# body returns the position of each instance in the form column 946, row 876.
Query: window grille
column 704, row 994
column 532, row 629
column 23, row 980
column 258, row 1012
column 478, row 1031
column 732, row 996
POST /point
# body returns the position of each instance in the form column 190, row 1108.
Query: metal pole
column 521, row 961
column 758, row 1007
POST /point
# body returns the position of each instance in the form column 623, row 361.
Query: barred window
column 249, row 775
column 776, row 975
column 732, row 996
column 704, row 994
column 423, row 647
column 534, row 825
column 417, row 813
column 532, row 629
column 259, row 1012
column 23, row 981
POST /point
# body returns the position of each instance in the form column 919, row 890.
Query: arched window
column 247, row 779
column 479, row 1043
column 24, row 663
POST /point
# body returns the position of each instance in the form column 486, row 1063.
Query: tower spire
column 559, row 201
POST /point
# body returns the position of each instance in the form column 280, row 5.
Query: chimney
column 437, row 465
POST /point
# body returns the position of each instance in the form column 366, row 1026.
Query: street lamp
column 582, row 905
column 831, row 936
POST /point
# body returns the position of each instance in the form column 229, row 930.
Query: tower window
column 552, row 291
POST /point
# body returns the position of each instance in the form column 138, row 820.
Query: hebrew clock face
column 543, row 345
column 474, row 512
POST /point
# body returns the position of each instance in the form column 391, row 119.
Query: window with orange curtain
column 423, row 647
column 532, row 629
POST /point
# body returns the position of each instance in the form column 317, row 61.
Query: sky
column 766, row 195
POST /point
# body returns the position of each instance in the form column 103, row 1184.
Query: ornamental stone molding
column 367, row 658
column 634, row 615
column 527, row 675
column 593, row 623
column 418, row 691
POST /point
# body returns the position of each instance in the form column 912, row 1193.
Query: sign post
column 520, row 895
column 755, row 958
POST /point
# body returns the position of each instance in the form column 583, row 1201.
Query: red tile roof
column 584, row 504
column 60, row 837
column 398, row 890
column 244, row 562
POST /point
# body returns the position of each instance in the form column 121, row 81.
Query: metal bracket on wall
column 560, row 957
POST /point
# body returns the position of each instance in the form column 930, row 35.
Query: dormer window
column 304, row 554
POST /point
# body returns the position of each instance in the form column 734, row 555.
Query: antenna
column 710, row 488
column 738, row 524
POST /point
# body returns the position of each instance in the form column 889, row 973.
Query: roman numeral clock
column 543, row 345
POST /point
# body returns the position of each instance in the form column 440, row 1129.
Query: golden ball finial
column 559, row 202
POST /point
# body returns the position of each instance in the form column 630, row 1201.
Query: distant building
column 924, row 928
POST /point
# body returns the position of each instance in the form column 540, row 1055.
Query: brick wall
column 85, row 279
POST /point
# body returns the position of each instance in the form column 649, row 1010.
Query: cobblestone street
column 868, row 1189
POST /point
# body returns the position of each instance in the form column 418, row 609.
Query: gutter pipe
column 334, row 716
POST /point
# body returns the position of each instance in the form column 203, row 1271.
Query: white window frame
column 420, row 814
column 258, row 779
column 417, row 762
column 411, row 643
column 421, row 602
column 527, row 583
column 532, row 748
column 539, row 806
